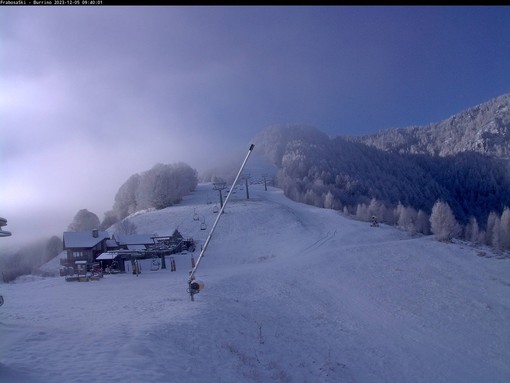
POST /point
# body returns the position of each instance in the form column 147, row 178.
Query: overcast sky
column 90, row 96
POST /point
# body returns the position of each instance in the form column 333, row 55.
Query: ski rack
column 194, row 287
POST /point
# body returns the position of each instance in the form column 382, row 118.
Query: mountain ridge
column 483, row 128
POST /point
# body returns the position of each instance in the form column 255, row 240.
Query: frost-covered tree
column 125, row 199
column 110, row 218
column 407, row 218
column 422, row 222
column 443, row 223
column 161, row 186
column 165, row 185
column 472, row 231
column 84, row 220
column 492, row 219
column 329, row 200
column 504, row 235
column 362, row 212
column 496, row 239
column 377, row 209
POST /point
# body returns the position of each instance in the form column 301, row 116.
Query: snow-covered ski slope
column 292, row 293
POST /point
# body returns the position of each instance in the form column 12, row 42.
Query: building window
column 77, row 254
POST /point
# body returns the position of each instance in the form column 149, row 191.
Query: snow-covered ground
column 292, row 293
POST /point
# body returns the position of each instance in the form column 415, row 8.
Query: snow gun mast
column 195, row 286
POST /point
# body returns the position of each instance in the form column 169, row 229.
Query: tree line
column 161, row 186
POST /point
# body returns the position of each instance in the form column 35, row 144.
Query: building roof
column 107, row 255
column 111, row 244
column 83, row 239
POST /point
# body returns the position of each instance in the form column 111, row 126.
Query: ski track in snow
column 293, row 294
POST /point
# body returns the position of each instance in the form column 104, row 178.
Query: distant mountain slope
column 484, row 128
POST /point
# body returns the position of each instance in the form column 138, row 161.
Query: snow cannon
column 195, row 286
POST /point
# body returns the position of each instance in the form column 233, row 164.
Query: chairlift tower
column 220, row 186
column 246, row 178
column 265, row 181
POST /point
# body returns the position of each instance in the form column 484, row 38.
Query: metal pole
column 221, row 197
column 204, row 248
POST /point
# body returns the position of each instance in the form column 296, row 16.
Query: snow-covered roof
column 107, row 255
column 83, row 239
column 111, row 243
column 116, row 253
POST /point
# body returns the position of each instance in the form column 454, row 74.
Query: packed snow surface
column 293, row 293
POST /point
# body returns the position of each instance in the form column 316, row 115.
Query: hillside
column 293, row 293
column 483, row 129
column 335, row 172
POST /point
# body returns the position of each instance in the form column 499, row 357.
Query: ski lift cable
column 204, row 248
